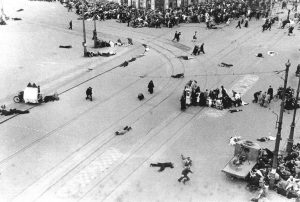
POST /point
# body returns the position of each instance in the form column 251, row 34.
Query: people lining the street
column 210, row 12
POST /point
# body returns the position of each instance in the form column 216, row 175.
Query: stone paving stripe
column 241, row 86
column 78, row 184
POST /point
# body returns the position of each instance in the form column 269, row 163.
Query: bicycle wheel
column 16, row 99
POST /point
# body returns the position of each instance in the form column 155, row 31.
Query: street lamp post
column 291, row 136
column 95, row 33
column 95, row 28
column 84, row 34
column 278, row 137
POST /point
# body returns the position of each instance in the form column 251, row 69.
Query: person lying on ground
column 12, row 111
column 181, row 75
column 162, row 166
column 123, row 131
column 95, row 54
column 67, row 46
column 52, row 98
column 16, row 19
column 265, row 139
column 124, row 64
column 111, row 53
column 223, row 64
column 235, row 110
column 185, row 57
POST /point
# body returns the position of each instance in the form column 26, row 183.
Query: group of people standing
column 193, row 96
column 263, row 99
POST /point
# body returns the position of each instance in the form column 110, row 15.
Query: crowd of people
column 265, row 98
column 287, row 176
column 210, row 12
column 219, row 99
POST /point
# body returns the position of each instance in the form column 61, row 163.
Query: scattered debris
column 265, row 139
column 141, row 96
column 260, row 55
column 234, row 140
column 123, row 131
column 272, row 53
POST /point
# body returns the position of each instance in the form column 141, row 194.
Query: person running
column 184, row 175
column 89, row 93
column 201, row 49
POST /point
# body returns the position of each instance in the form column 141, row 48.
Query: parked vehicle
column 246, row 154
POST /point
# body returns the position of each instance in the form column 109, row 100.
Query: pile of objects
column 290, row 98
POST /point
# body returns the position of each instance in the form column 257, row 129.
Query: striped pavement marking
column 241, row 86
column 80, row 183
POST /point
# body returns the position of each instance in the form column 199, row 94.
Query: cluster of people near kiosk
column 192, row 95
column 287, row 176
column 265, row 98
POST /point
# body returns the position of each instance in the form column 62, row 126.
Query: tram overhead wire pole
column 95, row 28
column 291, row 136
column 84, row 33
column 278, row 136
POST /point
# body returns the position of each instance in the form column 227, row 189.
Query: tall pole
column 291, row 136
column 271, row 1
column 278, row 137
column 95, row 28
column 95, row 33
column 84, row 34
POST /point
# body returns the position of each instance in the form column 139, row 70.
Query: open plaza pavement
column 67, row 150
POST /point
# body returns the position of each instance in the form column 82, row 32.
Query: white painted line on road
column 80, row 183
column 241, row 86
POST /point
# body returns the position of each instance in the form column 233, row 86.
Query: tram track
column 196, row 114
column 127, row 115
column 119, row 184
column 170, row 95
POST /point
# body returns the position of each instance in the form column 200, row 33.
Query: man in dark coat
column 89, row 93
column 270, row 92
column 71, row 25
column 150, row 87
